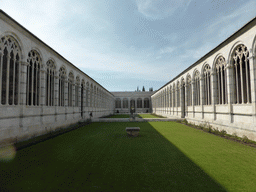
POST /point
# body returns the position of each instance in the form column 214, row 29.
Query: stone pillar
column 186, row 100
column 193, row 97
column 79, row 96
column 73, row 93
column 42, row 90
column 214, row 93
column 56, row 93
column 65, row 93
column 56, row 88
column 177, row 103
column 230, row 90
column 202, row 94
column 22, row 92
column 23, row 83
column 252, row 64
column 84, row 102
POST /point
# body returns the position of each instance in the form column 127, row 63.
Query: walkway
column 136, row 119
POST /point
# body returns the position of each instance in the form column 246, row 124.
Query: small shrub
column 223, row 132
column 245, row 139
column 234, row 135
column 185, row 121
column 210, row 130
column 216, row 131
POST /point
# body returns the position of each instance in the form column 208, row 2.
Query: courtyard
column 166, row 156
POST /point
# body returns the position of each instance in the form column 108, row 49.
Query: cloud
column 161, row 8
column 167, row 50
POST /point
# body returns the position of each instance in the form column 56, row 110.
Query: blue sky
column 123, row 44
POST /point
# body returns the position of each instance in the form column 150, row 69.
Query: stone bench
column 132, row 131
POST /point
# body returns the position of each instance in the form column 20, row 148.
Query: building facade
column 219, row 89
column 39, row 89
column 139, row 100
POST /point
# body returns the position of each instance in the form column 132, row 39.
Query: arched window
column 33, row 78
column 70, row 89
column 207, row 85
column 221, row 82
column 118, row 103
column 182, row 92
column 49, row 92
column 125, row 103
column 77, row 90
column 139, row 103
column 242, row 83
column 178, row 94
column 167, row 97
column 95, row 96
column 62, row 77
column 170, row 96
column 174, row 96
column 132, row 104
column 82, row 96
column 189, row 91
column 146, row 103
column 9, row 61
column 91, row 96
column 87, row 94
column 197, row 88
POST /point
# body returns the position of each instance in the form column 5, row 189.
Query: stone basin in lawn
column 132, row 131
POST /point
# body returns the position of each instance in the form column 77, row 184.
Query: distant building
column 140, row 101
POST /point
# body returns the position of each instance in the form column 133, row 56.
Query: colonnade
column 39, row 89
column 219, row 88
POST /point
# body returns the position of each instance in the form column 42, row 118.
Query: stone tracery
column 10, row 55
column 33, row 78
column 242, row 75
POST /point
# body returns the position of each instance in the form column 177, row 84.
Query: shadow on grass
column 101, row 157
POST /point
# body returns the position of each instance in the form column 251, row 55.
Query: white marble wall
column 22, row 120
column 233, row 117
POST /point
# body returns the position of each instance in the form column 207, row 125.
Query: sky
column 125, row 44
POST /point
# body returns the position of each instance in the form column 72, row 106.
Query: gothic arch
column 17, row 39
column 34, row 61
column 195, row 74
column 40, row 54
column 196, row 88
column 70, row 88
column 189, row 89
column 254, row 46
column 206, row 64
column 241, row 71
column 230, row 55
column 49, row 83
column 10, row 57
column 215, row 60
column 221, row 79
column 206, row 74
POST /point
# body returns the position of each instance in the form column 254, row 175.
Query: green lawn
column 166, row 156
column 119, row 116
column 149, row 116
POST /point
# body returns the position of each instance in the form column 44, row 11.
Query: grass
column 118, row 116
column 166, row 156
column 149, row 116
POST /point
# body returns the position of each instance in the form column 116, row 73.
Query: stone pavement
column 136, row 120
